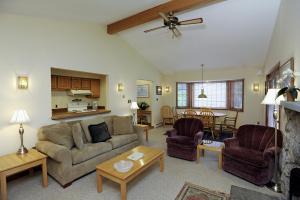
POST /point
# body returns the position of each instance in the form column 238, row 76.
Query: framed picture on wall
column 143, row 91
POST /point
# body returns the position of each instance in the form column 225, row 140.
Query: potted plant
column 290, row 92
column 143, row 105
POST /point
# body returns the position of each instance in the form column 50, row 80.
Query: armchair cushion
column 171, row 132
column 183, row 140
column 247, row 156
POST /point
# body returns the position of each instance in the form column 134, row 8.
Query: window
column 220, row 94
column 182, row 95
column 216, row 95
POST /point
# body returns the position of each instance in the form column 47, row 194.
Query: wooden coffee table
column 214, row 147
column 106, row 169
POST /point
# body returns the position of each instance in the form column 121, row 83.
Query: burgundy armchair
column 251, row 154
column 182, row 141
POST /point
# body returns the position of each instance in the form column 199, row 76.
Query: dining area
column 216, row 122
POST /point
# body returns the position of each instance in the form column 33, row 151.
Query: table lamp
column 134, row 106
column 20, row 117
column 271, row 99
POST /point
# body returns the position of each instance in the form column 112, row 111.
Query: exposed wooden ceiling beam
column 152, row 14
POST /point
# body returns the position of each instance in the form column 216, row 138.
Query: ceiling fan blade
column 164, row 16
column 153, row 29
column 191, row 21
column 176, row 32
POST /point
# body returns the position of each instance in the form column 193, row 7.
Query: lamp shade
column 134, row 106
column 270, row 98
column 19, row 117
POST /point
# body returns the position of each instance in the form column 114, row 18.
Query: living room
column 237, row 40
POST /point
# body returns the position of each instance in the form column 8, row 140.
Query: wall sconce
column 167, row 89
column 255, row 87
column 158, row 90
column 22, row 82
column 120, row 87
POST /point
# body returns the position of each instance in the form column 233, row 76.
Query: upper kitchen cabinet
column 63, row 82
column 95, row 88
column 53, row 82
column 76, row 83
column 85, row 84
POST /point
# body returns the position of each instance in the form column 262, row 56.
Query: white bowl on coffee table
column 123, row 166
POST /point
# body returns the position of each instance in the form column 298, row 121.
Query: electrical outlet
column 123, row 96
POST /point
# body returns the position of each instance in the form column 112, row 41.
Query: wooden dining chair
column 208, row 119
column 190, row 113
column 177, row 114
column 167, row 114
column 229, row 124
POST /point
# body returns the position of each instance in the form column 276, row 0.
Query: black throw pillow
column 99, row 132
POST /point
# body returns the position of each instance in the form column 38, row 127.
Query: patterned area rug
column 195, row 192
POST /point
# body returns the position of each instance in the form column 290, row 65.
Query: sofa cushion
column 90, row 150
column 77, row 135
column 59, row 134
column 99, row 132
column 85, row 126
column 178, row 139
column 122, row 125
column 245, row 155
column 121, row 140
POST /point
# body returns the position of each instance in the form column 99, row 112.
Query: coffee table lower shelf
column 151, row 156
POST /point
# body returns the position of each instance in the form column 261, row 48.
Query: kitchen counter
column 68, row 115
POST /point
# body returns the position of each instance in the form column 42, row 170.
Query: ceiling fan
column 171, row 22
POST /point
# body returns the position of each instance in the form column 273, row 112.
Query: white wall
column 252, row 108
column 34, row 45
column 285, row 41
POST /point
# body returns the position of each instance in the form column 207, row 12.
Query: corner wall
column 33, row 45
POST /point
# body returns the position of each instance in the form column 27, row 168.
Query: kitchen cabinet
column 76, row 83
column 63, row 82
column 85, row 84
column 95, row 88
column 53, row 82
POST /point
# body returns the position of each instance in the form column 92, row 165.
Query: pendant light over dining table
column 202, row 95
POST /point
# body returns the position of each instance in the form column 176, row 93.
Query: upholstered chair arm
column 57, row 152
column 198, row 136
column 270, row 152
column 140, row 132
column 231, row 142
column 171, row 132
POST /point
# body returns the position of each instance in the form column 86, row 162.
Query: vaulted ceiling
column 235, row 33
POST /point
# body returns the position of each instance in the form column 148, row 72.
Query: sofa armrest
column 270, row 152
column 171, row 132
column 140, row 132
column 57, row 152
column 231, row 142
column 198, row 136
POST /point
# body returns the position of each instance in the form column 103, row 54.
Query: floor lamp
column 134, row 107
column 270, row 99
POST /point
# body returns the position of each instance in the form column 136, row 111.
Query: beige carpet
column 151, row 185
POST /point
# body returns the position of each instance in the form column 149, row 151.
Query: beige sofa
column 66, row 165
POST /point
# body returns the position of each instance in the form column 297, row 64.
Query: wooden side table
column 214, row 147
column 146, row 128
column 13, row 163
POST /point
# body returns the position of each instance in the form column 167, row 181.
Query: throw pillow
column 59, row 134
column 85, row 126
column 99, row 132
column 78, row 135
column 122, row 125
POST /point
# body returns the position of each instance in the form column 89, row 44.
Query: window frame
column 229, row 98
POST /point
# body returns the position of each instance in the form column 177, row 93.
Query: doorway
column 145, row 94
